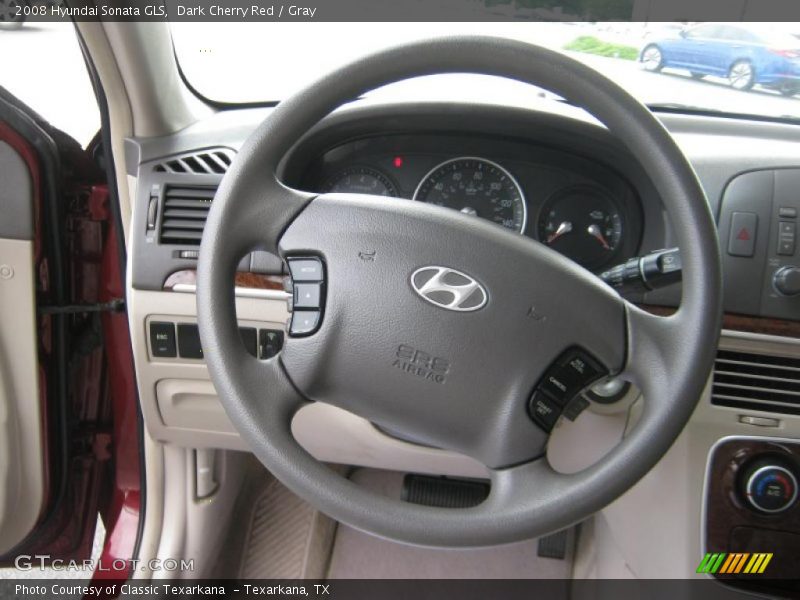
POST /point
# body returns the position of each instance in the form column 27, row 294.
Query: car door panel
column 22, row 460
column 51, row 478
column 676, row 51
column 700, row 43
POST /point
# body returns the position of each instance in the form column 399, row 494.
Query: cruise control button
column 304, row 322
column 585, row 369
column 307, row 295
column 543, row 410
column 561, row 383
column 305, row 269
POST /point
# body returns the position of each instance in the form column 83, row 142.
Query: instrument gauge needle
column 594, row 231
column 564, row 228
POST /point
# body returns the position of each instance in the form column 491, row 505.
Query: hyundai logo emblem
column 449, row 289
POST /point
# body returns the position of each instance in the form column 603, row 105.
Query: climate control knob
column 787, row 281
column 770, row 487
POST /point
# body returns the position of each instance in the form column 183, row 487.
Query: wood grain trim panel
column 242, row 280
column 762, row 325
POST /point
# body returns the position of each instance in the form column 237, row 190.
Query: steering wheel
column 449, row 329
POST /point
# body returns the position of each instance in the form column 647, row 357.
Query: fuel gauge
column 583, row 223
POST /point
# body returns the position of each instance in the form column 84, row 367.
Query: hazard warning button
column 742, row 237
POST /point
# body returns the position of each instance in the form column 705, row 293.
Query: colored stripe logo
column 731, row 563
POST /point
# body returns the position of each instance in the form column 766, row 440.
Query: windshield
column 727, row 67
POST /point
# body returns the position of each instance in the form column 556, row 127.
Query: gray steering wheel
column 456, row 379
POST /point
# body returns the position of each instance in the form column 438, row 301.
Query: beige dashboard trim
column 180, row 406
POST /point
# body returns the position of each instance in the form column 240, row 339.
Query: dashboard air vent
column 757, row 382
column 208, row 162
column 185, row 212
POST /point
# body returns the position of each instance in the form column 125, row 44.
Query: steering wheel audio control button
column 304, row 322
column 544, row 410
column 305, row 269
column 307, row 295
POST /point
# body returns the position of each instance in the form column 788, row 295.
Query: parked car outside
column 745, row 56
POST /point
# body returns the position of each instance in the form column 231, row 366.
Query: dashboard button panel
column 567, row 377
column 259, row 343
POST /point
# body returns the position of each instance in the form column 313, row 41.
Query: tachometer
column 359, row 180
column 476, row 186
column 583, row 223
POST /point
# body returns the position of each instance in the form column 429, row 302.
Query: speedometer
column 478, row 187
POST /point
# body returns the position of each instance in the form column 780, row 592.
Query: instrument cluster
column 577, row 207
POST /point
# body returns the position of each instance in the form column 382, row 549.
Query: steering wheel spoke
column 651, row 359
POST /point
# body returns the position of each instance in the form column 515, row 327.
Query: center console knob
column 770, row 487
column 787, row 281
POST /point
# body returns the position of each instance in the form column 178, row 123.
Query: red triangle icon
column 744, row 235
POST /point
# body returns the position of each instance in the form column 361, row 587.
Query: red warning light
column 744, row 235
column 398, row 162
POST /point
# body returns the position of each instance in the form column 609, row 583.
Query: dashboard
column 547, row 173
column 568, row 201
